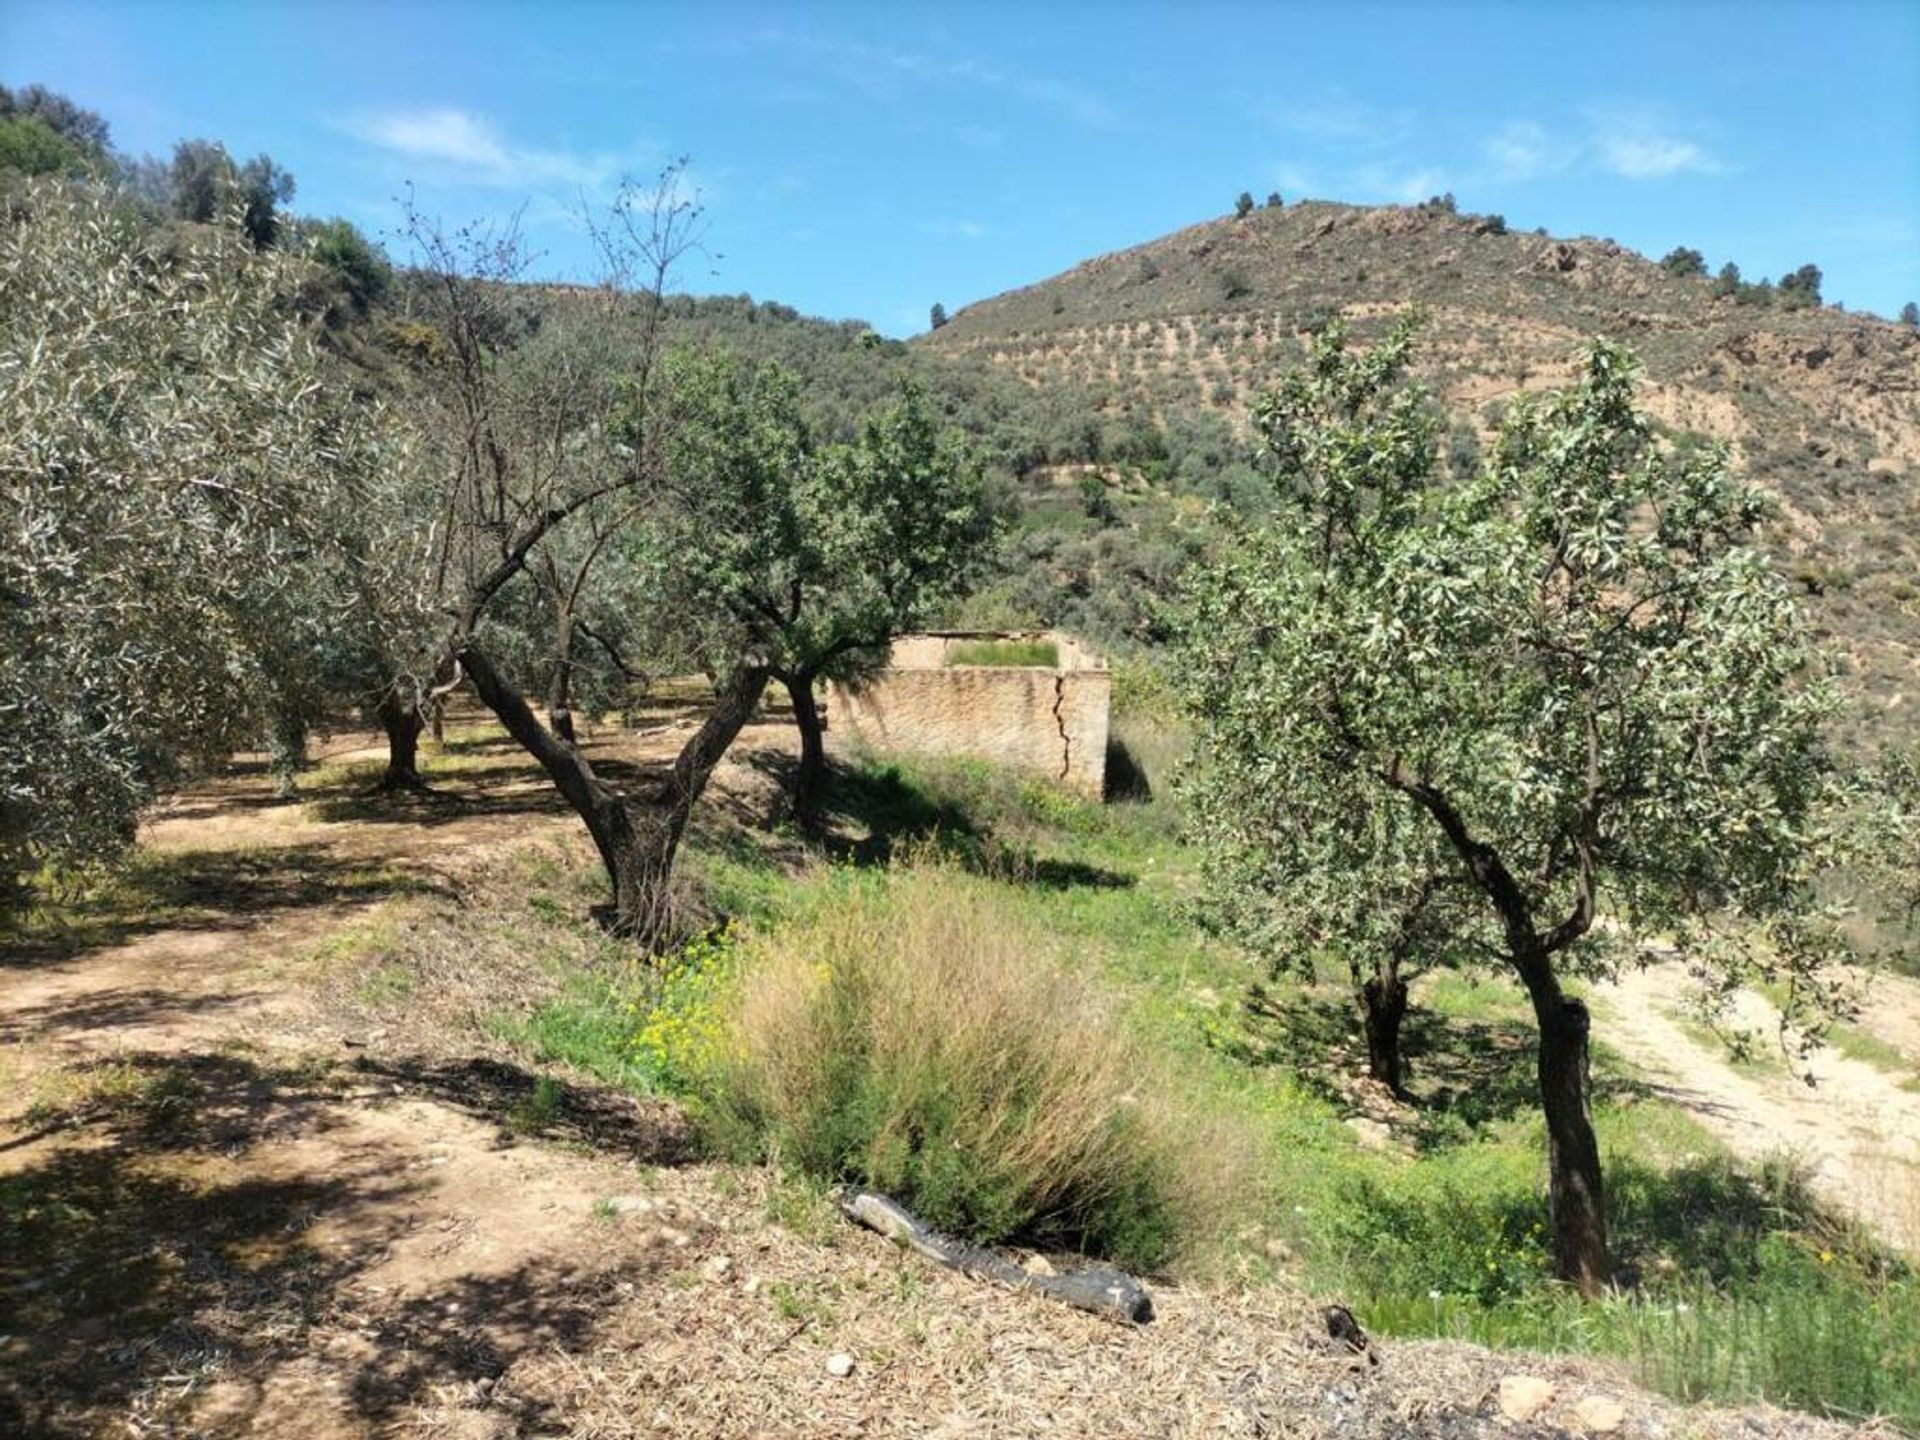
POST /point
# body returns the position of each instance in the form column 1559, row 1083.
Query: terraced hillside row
column 1822, row 405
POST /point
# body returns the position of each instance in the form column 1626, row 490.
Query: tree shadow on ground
column 877, row 815
column 1674, row 1229
column 147, row 1268
column 524, row 1103
column 514, row 785
column 1462, row 1074
column 123, row 1008
column 198, row 890
column 1710, row 1219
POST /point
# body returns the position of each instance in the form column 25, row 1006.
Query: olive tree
column 1317, row 861
column 1577, row 672
column 582, row 458
column 172, row 463
column 888, row 529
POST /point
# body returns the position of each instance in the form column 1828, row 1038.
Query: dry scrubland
column 338, row 1117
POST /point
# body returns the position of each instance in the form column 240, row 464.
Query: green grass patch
column 1022, row 654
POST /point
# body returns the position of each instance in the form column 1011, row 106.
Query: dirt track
column 231, row 1215
column 1857, row 1128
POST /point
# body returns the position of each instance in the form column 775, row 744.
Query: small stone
column 630, row 1205
column 717, row 1268
column 1524, row 1396
column 1372, row 1134
column 840, row 1366
column 1600, row 1414
column 752, row 1286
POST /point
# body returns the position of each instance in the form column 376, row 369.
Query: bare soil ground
column 227, row 1209
column 1856, row 1127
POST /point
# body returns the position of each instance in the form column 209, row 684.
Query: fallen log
column 1100, row 1290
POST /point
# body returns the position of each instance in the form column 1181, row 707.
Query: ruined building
column 1036, row 700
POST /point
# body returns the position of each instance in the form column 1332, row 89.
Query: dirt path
column 212, row 1211
column 222, row 1214
column 1856, row 1128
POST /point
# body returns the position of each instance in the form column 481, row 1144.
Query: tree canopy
column 175, row 471
column 1572, row 673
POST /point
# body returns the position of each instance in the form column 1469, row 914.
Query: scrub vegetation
column 415, row 789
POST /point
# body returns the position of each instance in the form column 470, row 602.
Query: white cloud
column 891, row 75
column 1639, row 145
column 1523, row 150
column 1399, row 184
column 470, row 148
column 955, row 229
column 1339, row 120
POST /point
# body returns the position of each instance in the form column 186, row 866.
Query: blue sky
column 869, row 160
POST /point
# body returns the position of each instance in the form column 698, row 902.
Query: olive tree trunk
column 1575, row 1198
column 1383, row 1006
column 286, row 752
column 400, row 718
column 638, row 836
column 560, row 686
column 1576, row 1201
column 809, row 781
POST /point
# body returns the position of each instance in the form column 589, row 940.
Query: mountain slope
column 1821, row 405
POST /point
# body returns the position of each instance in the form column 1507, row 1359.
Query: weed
column 536, row 1113
column 388, row 984
column 1023, row 654
column 904, row 1036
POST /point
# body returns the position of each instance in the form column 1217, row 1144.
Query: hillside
column 1823, row 406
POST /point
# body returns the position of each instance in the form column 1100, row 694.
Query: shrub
column 1684, row 262
column 1024, row 654
column 911, row 1035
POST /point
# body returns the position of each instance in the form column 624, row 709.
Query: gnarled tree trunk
column 1575, row 1197
column 560, row 687
column 286, row 752
column 638, row 837
column 810, row 779
column 400, row 718
column 1383, row 1006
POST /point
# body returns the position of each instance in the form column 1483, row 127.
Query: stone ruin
column 930, row 700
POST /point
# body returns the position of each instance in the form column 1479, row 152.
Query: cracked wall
column 1052, row 722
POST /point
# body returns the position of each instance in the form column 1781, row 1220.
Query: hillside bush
column 910, row 1036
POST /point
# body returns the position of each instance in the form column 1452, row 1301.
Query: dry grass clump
column 910, row 1034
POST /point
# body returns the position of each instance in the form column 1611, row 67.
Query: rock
column 1524, row 1396
column 840, row 1366
column 629, row 1205
column 1371, row 1133
column 1600, row 1414
column 716, row 1268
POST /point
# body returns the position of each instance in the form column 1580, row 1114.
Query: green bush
column 1025, row 654
column 913, row 1036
